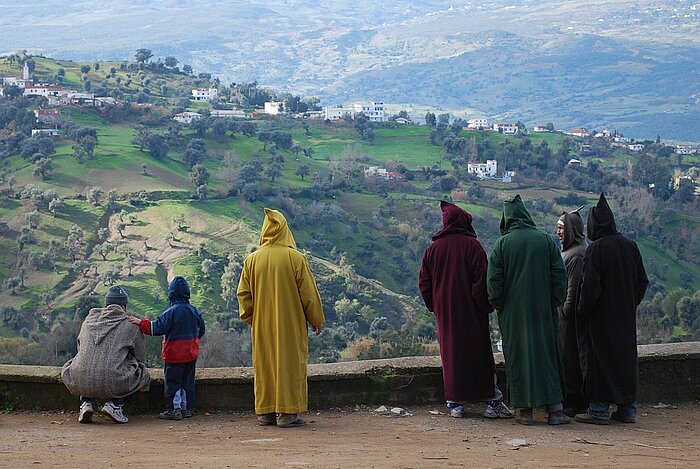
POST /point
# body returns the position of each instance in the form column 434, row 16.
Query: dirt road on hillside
column 352, row 438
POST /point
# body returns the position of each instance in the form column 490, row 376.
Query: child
column 183, row 326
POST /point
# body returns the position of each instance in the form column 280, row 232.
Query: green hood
column 515, row 215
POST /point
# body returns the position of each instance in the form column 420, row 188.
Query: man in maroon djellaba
column 452, row 282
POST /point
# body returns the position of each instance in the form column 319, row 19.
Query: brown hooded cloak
column 452, row 282
column 572, row 252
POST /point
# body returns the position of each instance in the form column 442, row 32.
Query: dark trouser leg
column 121, row 400
column 188, row 383
column 173, row 374
column 85, row 399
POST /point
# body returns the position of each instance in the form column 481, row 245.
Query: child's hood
column 179, row 290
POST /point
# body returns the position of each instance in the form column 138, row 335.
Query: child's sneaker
column 114, row 412
column 86, row 411
column 171, row 415
column 498, row 410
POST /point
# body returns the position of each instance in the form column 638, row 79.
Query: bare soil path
column 351, row 438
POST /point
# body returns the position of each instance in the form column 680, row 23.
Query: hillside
column 624, row 64
column 364, row 235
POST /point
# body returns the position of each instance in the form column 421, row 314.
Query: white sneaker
column 457, row 412
column 498, row 410
column 114, row 412
column 86, row 411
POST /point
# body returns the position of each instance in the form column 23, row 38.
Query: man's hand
column 317, row 329
column 134, row 320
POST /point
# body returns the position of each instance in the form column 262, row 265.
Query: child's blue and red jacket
column 181, row 325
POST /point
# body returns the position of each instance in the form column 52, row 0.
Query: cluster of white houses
column 373, row 110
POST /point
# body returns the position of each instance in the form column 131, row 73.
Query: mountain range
column 628, row 65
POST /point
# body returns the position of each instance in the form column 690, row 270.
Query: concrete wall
column 667, row 372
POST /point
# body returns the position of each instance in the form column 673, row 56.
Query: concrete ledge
column 667, row 372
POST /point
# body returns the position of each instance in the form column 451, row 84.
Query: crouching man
column 110, row 363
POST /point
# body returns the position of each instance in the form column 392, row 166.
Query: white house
column 635, row 147
column 578, row 132
column 621, row 139
column 574, row 162
column 46, row 133
column 540, row 128
column 478, row 123
column 488, row 169
column 47, row 116
column 227, row 113
column 381, row 173
column 186, row 117
column 685, row 150
column 274, row 107
column 204, row 94
column 336, row 113
column 506, row 129
column 41, row 89
column 374, row 110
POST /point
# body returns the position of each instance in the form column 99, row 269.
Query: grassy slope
column 228, row 225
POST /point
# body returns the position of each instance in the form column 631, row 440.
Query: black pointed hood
column 601, row 221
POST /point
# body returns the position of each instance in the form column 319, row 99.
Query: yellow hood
column 275, row 231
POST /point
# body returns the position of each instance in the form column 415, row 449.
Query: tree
column 199, row 175
column 94, row 195
column 302, row 171
column 229, row 279
column 79, row 153
column 104, row 250
column 143, row 55
column 33, row 218
column 179, row 222
column 88, row 143
column 84, row 69
column 689, row 310
column 120, row 226
column 56, row 205
column 430, row 119
column 170, row 61
column 196, row 152
column 11, row 284
column 157, row 146
column 141, row 135
column 3, row 226
column 273, row 171
column 202, row 192
column 187, row 69
column 144, row 168
column 43, row 168
column 112, row 200
column 208, row 266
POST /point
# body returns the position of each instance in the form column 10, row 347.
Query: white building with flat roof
column 374, row 110
column 488, row 169
column 274, row 107
column 478, row 123
column 204, row 94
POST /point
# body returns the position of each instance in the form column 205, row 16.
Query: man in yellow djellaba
column 278, row 298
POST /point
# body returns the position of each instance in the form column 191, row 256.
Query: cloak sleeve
column 573, row 272
column 139, row 347
column 245, row 297
column 425, row 282
column 308, row 293
column 557, row 275
column 494, row 277
column 590, row 289
column 479, row 267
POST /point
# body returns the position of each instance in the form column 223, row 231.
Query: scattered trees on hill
column 196, row 152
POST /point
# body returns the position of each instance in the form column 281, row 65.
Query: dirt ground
column 351, row 438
